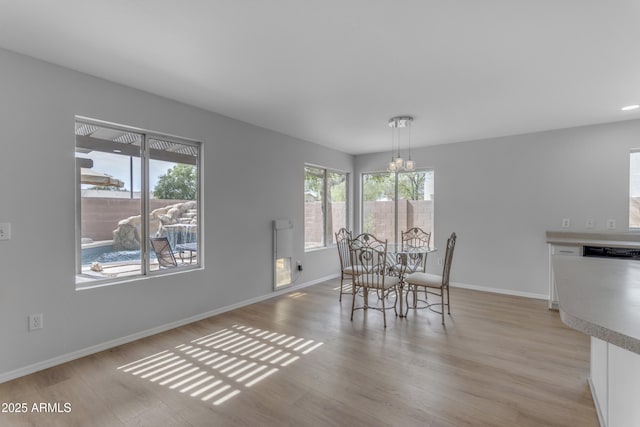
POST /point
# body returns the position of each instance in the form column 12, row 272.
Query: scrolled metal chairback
column 370, row 253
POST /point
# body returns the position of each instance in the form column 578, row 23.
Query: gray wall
column 251, row 176
column 501, row 195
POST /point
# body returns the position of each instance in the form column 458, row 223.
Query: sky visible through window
column 114, row 166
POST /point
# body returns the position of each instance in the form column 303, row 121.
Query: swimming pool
column 105, row 254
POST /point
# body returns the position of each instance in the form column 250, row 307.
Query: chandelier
column 397, row 163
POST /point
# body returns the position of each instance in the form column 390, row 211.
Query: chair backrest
column 371, row 254
column 448, row 257
column 342, row 243
column 163, row 251
column 414, row 238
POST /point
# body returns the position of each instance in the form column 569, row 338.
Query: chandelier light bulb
column 397, row 163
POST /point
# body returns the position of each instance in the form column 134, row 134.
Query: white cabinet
column 624, row 388
column 599, row 377
column 565, row 250
column 615, row 384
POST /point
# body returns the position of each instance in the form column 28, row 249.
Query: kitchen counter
column 601, row 298
column 614, row 240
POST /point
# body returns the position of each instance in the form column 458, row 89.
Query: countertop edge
column 595, row 239
column 589, row 303
column 598, row 331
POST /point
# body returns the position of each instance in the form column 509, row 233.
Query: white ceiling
column 334, row 71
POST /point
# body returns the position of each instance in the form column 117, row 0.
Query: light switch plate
column 5, row 231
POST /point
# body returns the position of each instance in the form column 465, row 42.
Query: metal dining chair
column 410, row 258
column 414, row 238
column 370, row 254
column 432, row 284
column 347, row 270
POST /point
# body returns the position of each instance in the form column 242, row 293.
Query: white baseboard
column 499, row 291
column 45, row 364
column 601, row 419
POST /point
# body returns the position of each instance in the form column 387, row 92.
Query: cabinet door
column 624, row 387
column 598, row 377
column 569, row 250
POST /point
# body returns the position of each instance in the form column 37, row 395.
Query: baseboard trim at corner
column 596, row 403
column 49, row 363
column 499, row 291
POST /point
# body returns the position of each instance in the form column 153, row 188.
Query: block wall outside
column 313, row 221
column 101, row 216
column 379, row 217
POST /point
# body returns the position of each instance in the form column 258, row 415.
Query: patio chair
column 164, row 253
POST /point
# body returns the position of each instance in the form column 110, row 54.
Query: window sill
column 107, row 281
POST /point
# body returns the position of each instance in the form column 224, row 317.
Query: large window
column 137, row 203
column 394, row 202
column 634, row 189
column 325, row 205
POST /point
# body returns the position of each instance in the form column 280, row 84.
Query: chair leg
column 442, row 303
column 341, row 288
column 448, row 301
column 398, row 293
column 353, row 299
column 384, row 313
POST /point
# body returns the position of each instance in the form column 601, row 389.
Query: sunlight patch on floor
column 215, row 367
column 296, row 294
column 347, row 288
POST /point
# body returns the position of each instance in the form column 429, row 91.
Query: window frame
column 327, row 235
column 396, row 199
column 145, row 210
column 632, row 152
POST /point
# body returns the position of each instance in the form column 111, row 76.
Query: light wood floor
column 500, row 361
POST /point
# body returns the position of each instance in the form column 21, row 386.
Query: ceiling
column 334, row 71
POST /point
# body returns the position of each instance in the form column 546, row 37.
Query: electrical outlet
column 589, row 223
column 36, row 322
column 611, row 224
column 298, row 265
column 5, row 231
column 566, row 223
